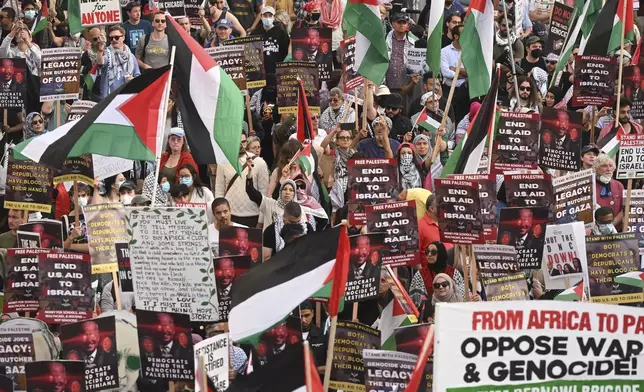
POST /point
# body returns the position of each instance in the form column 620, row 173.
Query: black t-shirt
column 527, row 66
column 269, row 236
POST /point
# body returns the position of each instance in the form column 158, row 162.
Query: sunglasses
column 391, row 109
column 432, row 252
column 315, row 117
column 34, row 122
column 347, row 138
column 441, row 284
column 115, row 37
column 551, row 62
column 159, row 21
column 523, row 88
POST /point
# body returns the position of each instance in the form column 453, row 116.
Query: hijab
column 424, row 137
column 429, row 271
column 409, row 173
column 451, row 296
column 28, row 130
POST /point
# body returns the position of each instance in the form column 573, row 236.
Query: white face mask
column 605, row 178
column 127, row 199
column 268, row 22
column 82, row 201
column 607, row 228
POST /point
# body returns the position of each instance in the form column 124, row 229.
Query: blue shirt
column 373, row 150
column 135, row 32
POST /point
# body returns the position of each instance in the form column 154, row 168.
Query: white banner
column 216, row 358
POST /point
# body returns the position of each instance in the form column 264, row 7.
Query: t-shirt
column 157, row 53
column 213, row 237
column 135, row 32
column 8, row 240
column 244, row 10
column 373, row 150
column 419, row 195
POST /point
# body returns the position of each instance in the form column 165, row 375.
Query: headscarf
column 409, row 174
column 425, row 97
column 451, row 296
column 424, row 137
column 28, row 130
column 474, row 109
column 558, row 94
column 281, row 202
column 429, row 271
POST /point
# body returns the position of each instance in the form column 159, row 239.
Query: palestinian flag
column 305, row 129
column 313, row 383
column 605, row 37
column 478, row 39
column 399, row 312
column 636, row 55
column 575, row 293
column 428, row 122
column 124, row 124
column 467, row 154
column 435, row 36
column 90, row 78
column 74, row 16
column 211, row 105
column 362, row 19
column 267, row 293
column 305, row 160
column 41, row 21
column 635, row 279
column 423, row 356
column 609, row 144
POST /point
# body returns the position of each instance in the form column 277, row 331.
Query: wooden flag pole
column 76, row 206
column 627, row 210
column 474, row 277
column 447, row 106
column 251, row 131
column 171, row 386
column 366, row 89
column 620, row 68
column 57, row 114
column 4, row 117
column 514, row 70
column 423, row 355
column 593, row 121
column 490, row 136
column 318, row 314
column 117, row 289
column 307, row 366
column 355, row 98
column 329, row 352
column 465, row 262
column 354, row 316
column 203, row 374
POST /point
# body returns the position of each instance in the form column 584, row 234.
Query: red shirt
column 614, row 202
column 428, row 233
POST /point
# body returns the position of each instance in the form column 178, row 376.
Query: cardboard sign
column 349, row 72
column 105, row 167
column 559, row 28
column 13, row 83
column 55, row 376
column 227, row 270
column 594, row 81
column 459, row 211
column 495, row 260
column 575, row 197
column 387, row 371
column 398, row 220
column 561, row 254
column 28, row 186
column 105, row 226
column 49, row 232
column 631, row 157
column 636, row 216
column 21, row 284
column 176, row 8
column 516, row 142
column 21, row 338
column 524, row 228
column 487, row 196
column 231, row 60
column 60, row 74
column 125, row 269
column 417, row 60
column 371, row 181
column 347, row 370
column 560, row 139
column 253, row 60
column 76, row 169
column 365, row 261
column 79, row 109
column 511, row 287
column 216, row 352
column 287, row 74
column 100, row 12
column 313, row 45
column 529, row 190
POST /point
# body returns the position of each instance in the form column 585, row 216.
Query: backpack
column 146, row 41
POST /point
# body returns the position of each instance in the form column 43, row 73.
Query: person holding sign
column 380, row 146
column 9, row 239
column 623, row 122
column 24, row 48
column 116, row 63
column 609, row 191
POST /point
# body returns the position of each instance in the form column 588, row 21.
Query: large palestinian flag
column 266, row 294
column 477, row 39
column 123, row 124
column 605, row 37
column 211, row 105
column 635, row 278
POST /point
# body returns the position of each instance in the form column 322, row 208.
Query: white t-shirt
column 213, row 237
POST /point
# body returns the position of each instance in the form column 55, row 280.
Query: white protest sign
column 631, row 157
column 526, row 346
column 216, row 357
column 564, row 261
column 416, row 60
column 105, row 167
column 100, row 12
column 172, row 269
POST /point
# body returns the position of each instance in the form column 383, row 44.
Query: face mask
column 82, row 201
column 187, row 181
column 607, row 228
column 315, row 16
column 127, row 199
column 535, row 53
column 267, row 22
column 30, row 14
column 165, row 187
column 605, row 178
column 406, row 159
column 503, row 33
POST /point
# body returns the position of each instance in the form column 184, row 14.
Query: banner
column 13, row 90
column 313, row 45
column 216, row 352
column 349, row 72
column 60, row 74
column 632, row 90
column 287, row 74
column 231, row 60
column 365, row 261
column 79, row 109
column 55, row 376
column 49, row 232
column 564, row 256
column 12, row 362
column 105, row 167
column 494, row 261
column 416, row 60
column 65, row 290
column 171, row 261
column 105, row 227
column 347, row 370
column 165, row 342
column 21, row 282
column 539, row 345
column 176, row 8
column 241, row 241
column 387, row 371
column 560, row 139
column 524, row 228
column 559, row 28
column 529, row 190
column 631, row 157
column 371, row 181
column 253, row 59
column 594, row 83
column 275, row 340
column 227, row 270
column 410, row 339
column 575, row 197
column 487, row 196
column 459, row 211
column 399, row 221
column 511, row 287
column 635, row 216
column 192, row 12
column 100, row 12
column 93, row 342
column 28, row 186
column 516, row 142
column 125, row 270
column 608, row 257
column 76, row 169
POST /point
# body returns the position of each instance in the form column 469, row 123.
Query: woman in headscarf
column 34, row 125
column 269, row 208
column 342, row 151
column 433, row 114
column 444, row 291
column 554, row 98
column 424, row 152
column 411, row 175
column 422, row 284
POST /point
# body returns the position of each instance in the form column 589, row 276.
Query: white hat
column 176, row 131
column 383, row 90
column 269, row 9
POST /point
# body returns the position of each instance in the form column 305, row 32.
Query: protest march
column 322, row 195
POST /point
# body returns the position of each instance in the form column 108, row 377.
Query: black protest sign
column 6, row 384
column 125, row 269
column 608, row 257
column 227, row 270
column 410, row 340
column 560, row 139
column 574, row 197
column 105, row 226
column 631, row 157
column 192, row 12
column 313, row 45
column 253, row 59
column 398, row 220
column 60, row 74
column 594, row 81
column 371, row 181
column 13, row 83
column 524, row 228
column 633, row 89
column 17, row 349
column 459, row 211
column 347, row 370
column 365, row 261
column 559, row 28
column 349, row 71
column 495, row 260
column 76, row 169
column 287, row 74
column 231, row 60
column 55, row 376
column 511, row 287
column 176, row 8
column 165, row 342
column 529, row 190
column 79, row 109
column 241, row 241
column 26, row 239
column 277, row 339
column 387, row 371
column 65, row 290
column 487, row 196
column 21, row 282
column 635, row 217
column 516, row 141
column 49, row 231
column 29, row 186
column 94, row 342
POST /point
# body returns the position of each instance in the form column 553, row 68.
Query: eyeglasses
column 347, row 138
column 316, row 117
column 34, row 122
column 115, row 37
column 159, row 21
column 524, row 88
column 441, row 284
column 432, row 252
column 551, row 62
column 336, row 100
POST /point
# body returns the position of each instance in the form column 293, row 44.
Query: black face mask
column 536, row 53
column 503, row 33
column 315, row 16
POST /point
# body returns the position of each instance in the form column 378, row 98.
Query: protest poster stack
column 398, row 221
column 487, row 197
column 515, row 142
column 524, row 228
column 14, row 84
column 501, row 276
column 347, row 371
column 371, row 181
column 46, row 233
column 459, row 211
column 105, row 227
column 288, row 74
column 594, row 81
column 564, row 256
column 574, row 197
column 60, row 74
column 253, row 60
column 560, row 139
column 22, row 280
column 365, row 264
column 313, row 45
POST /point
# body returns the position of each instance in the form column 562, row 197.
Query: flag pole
column 514, row 70
column 572, row 22
column 159, row 146
column 629, row 185
column 329, row 352
column 447, row 105
column 490, row 135
column 307, row 366
column 423, row 356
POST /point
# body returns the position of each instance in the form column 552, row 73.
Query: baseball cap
column 128, row 185
column 399, row 16
column 176, row 131
column 268, row 9
column 224, row 23
column 589, row 148
column 532, row 39
column 140, row 200
column 552, row 57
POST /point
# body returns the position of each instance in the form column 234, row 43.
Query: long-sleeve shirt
column 240, row 204
column 32, row 55
column 449, row 58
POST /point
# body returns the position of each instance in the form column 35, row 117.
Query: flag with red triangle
column 313, row 383
column 42, row 21
column 605, row 37
column 305, row 129
column 124, row 124
column 575, row 293
column 399, row 312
